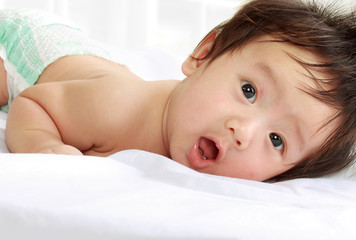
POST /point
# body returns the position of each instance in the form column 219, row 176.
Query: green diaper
column 31, row 40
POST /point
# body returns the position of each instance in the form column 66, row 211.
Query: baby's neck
column 152, row 120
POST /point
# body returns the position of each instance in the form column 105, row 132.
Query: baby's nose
column 241, row 132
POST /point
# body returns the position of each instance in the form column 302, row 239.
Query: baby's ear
column 195, row 59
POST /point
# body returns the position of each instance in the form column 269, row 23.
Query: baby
column 268, row 95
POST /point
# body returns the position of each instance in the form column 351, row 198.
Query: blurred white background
column 174, row 26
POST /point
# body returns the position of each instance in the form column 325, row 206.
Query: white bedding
column 135, row 194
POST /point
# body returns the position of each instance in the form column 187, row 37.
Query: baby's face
column 245, row 115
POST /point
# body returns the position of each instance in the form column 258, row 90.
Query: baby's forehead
column 268, row 52
column 268, row 42
column 273, row 48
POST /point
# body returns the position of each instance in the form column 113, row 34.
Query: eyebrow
column 269, row 72
column 273, row 78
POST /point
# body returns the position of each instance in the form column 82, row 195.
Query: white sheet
column 136, row 194
column 144, row 195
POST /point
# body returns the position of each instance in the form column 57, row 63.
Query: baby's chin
column 180, row 161
column 180, row 158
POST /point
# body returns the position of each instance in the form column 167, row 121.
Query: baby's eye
column 277, row 141
column 249, row 91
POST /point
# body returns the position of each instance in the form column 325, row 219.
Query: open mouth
column 208, row 149
column 203, row 153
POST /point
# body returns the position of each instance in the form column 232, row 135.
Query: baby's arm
column 31, row 129
column 48, row 118
column 71, row 117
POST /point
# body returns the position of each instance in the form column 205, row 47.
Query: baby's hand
column 61, row 149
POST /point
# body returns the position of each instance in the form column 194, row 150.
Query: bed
column 139, row 195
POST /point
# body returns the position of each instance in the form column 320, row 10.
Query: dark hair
column 327, row 32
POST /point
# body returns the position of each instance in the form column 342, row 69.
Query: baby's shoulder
column 116, row 87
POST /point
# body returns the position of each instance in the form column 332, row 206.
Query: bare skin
column 89, row 103
column 4, row 94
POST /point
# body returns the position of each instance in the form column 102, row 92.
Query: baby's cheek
column 221, row 98
column 252, row 172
